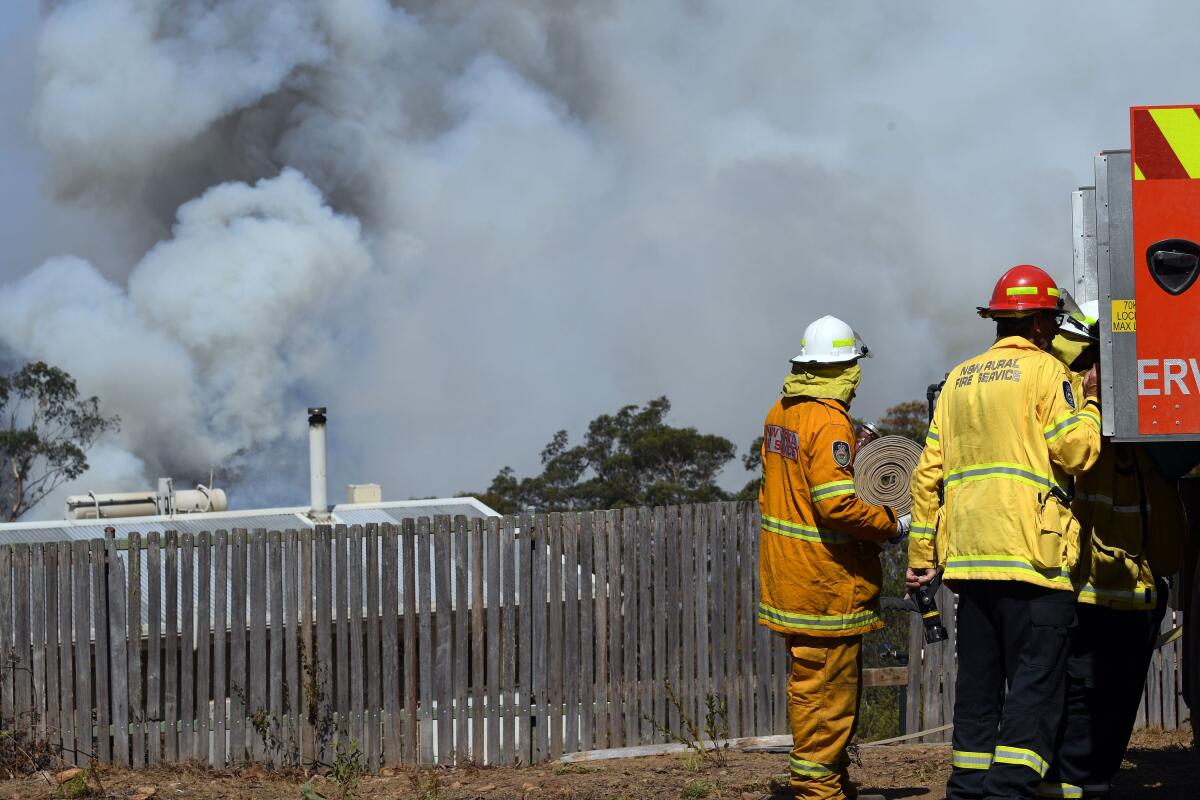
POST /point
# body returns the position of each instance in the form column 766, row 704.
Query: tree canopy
column 630, row 458
column 47, row 431
column 910, row 420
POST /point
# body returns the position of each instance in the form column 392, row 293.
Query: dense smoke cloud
column 465, row 225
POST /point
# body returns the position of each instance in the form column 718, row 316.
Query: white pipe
column 316, row 464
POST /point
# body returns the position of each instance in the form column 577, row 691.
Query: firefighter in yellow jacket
column 819, row 554
column 1132, row 533
column 991, row 497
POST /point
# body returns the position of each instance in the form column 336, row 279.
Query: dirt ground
column 1158, row 766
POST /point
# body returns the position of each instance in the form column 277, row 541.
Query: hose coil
column 883, row 470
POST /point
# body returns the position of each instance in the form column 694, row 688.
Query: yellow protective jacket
column 990, row 491
column 1132, row 527
column 818, row 553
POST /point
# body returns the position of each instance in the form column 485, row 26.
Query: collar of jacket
column 1015, row 342
column 1066, row 348
column 823, row 382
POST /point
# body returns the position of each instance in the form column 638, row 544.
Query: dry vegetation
column 1158, row 767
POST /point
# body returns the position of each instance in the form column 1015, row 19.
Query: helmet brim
column 803, row 359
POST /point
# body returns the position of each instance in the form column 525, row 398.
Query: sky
column 463, row 226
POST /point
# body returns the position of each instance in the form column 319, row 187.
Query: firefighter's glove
column 903, row 525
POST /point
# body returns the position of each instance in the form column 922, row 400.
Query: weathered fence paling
column 932, row 671
column 445, row 641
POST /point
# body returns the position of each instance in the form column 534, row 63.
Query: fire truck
column 1137, row 251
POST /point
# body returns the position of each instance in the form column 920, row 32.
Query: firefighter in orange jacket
column 819, row 554
column 991, row 497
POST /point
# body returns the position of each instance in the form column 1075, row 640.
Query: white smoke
column 464, row 225
column 218, row 324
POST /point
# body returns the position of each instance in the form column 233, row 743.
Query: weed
column 347, row 769
column 575, row 769
column 692, row 761
column 85, row 784
column 281, row 739
column 426, row 783
column 697, row 789
column 716, row 728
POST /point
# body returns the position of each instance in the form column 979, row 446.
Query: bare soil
column 1159, row 766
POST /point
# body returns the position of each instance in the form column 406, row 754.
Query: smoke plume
column 465, row 225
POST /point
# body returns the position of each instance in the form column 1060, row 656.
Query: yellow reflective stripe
column 1052, row 291
column 1143, row 598
column 1105, row 500
column 807, row 533
column 1090, row 417
column 809, row 769
column 918, row 531
column 964, row 759
column 1067, row 790
column 1001, row 564
column 1063, row 425
column 843, row 342
column 932, row 435
column 1181, row 128
column 826, row 491
column 1021, row 757
column 816, row 622
column 821, row 487
column 1015, row 290
column 999, row 469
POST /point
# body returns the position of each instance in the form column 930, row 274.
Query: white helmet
column 830, row 341
column 1081, row 318
column 1091, row 311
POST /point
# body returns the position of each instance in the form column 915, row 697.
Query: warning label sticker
column 1124, row 316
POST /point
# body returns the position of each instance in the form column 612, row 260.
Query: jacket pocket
column 1057, row 545
column 813, row 658
column 1113, row 568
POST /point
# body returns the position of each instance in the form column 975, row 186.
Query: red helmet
column 1023, row 289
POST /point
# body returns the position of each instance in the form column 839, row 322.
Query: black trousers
column 1015, row 635
column 1106, row 673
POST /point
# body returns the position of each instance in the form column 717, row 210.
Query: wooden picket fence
column 496, row 641
column 932, row 670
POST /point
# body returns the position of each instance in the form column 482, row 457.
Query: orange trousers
column 823, row 694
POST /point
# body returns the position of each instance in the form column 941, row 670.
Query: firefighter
column 1131, row 534
column 991, row 508
column 867, row 433
column 819, row 554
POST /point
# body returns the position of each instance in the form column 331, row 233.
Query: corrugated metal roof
column 272, row 519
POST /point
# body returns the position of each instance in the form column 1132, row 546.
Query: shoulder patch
column 841, row 453
column 782, row 441
column 1068, row 394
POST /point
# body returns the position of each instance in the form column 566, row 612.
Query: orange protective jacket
column 818, row 552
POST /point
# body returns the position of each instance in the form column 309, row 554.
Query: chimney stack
column 316, row 465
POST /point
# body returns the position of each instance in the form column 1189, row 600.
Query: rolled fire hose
column 882, row 472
